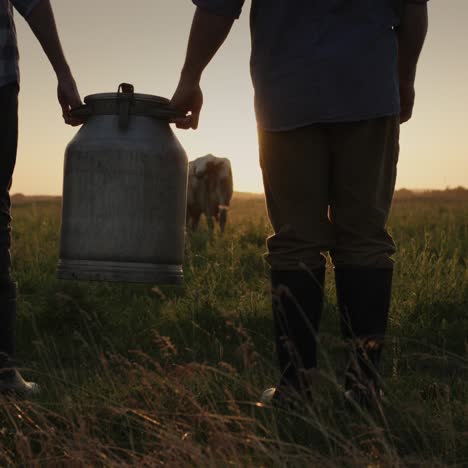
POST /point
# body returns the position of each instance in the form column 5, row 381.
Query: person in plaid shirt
column 333, row 81
column 39, row 15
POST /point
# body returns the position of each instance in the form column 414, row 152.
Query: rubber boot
column 364, row 302
column 297, row 298
column 11, row 380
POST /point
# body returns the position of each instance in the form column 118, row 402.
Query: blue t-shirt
column 320, row 60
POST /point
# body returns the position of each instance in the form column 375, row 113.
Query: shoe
column 268, row 396
column 12, row 383
column 11, row 380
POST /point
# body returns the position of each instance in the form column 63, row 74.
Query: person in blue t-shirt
column 333, row 82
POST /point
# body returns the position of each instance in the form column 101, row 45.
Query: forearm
column 411, row 37
column 42, row 22
column 208, row 33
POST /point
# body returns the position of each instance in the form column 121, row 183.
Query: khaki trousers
column 329, row 187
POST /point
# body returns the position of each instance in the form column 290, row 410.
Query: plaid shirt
column 9, row 72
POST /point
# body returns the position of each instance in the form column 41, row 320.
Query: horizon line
column 419, row 190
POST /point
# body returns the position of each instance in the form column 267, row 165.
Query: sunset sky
column 143, row 42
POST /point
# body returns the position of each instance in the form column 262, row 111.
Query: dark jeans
column 8, row 146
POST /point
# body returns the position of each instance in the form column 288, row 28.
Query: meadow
column 140, row 375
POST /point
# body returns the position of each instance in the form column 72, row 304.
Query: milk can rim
column 137, row 97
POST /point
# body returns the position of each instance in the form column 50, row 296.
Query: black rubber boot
column 364, row 300
column 10, row 379
column 297, row 309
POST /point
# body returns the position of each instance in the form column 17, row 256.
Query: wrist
column 63, row 72
column 190, row 76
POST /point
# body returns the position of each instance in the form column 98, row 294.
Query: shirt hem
column 341, row 119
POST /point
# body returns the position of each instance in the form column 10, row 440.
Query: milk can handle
column 125, row 96
column 81, row 112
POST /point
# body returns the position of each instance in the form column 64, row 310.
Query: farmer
column 39, row 15
column 331, row 92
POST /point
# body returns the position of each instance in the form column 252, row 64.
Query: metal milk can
column 124, row 192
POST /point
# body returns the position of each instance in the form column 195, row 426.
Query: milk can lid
column 125, row 103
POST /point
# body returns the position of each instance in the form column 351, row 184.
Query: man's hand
column 407, row 97
column 208, row 32
column 42, row 22
column 188, row 99
column 69, row 98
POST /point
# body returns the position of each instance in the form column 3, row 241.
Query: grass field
column 147, row 376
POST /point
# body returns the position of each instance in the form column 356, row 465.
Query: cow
column 210, row 188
